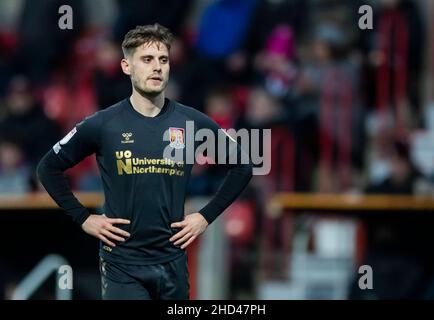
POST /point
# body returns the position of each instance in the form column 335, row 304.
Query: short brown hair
column 146, row 34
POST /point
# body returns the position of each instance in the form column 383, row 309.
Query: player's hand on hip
column 103, row 228
column 192, row 226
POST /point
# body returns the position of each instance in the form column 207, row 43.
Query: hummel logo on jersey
column 126, row 137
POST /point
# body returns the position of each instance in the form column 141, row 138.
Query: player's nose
column 157, row 66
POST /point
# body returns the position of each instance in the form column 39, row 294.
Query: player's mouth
column 156, row 78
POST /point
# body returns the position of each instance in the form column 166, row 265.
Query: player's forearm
column 234, row 183
column 51, row 174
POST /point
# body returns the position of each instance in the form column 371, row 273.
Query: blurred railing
column 280, row 205
column 41, row 200
column 347, row 202
column 39, row 274
column 283, row 205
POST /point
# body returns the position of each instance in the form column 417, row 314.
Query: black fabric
column 166, row 281
column 34, row 131
column 139, row 184
column 51, row 174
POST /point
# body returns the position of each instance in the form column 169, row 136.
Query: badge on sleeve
column 64, row 140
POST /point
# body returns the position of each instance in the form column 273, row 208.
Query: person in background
column 393, row 246
column 14, row 173
column 39, row 35
column 25, row 119
column 275, row 63
column 403, row 177
column 110, row 83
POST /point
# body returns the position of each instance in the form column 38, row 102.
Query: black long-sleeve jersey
column 140, row 182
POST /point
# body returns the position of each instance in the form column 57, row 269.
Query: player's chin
column 154, row 91
column 157, row 88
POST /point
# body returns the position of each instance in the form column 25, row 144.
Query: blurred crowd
column 343, row 103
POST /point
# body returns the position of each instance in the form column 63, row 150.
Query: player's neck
column 148, row 106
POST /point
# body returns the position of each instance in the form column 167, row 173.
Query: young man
column 143, row 230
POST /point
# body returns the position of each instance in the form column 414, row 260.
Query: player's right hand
column 103, row 228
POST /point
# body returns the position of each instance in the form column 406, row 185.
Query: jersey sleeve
column 235, row 159
column 82, row 141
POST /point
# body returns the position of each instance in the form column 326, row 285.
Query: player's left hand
column 192, row 226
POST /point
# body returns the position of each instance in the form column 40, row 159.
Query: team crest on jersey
column 177, row 138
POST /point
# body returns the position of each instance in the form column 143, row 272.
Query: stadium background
column 352, row 119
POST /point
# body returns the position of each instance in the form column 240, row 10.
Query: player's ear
column 125, row 65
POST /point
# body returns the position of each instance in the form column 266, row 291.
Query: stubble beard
column 146, row 92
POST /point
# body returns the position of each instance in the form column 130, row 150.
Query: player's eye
column 164, row 60
column 147, row 59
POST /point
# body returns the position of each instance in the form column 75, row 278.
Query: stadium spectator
column 110, row 83
column 403, row 177
column 393, row 248
column 26, row 121
column 275, row 63
column 394, row 59
column 48, row 45
column 139, row 12
column 14, row 173
column 220, row 33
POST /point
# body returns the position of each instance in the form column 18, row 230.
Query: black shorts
column 165, row 281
